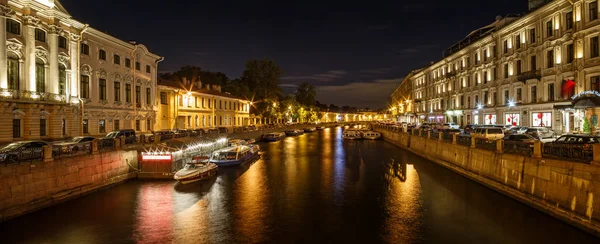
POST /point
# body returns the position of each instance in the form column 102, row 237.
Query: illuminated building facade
column 61, row 78
column 519, row 70
column 189, row 105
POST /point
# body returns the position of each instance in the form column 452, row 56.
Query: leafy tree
column 238, row 88
column 262, row 78
column 306, row 94
column 586, row 125
column 194, row 74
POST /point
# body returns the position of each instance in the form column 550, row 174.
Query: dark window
column 62, row 80
column 85, row 49
column 147, row 68
column 593, row 9
column 13, row 72
column 16, row 128
column 127, row 63
column 40, row 35
column 117, row 91
column 116, row 124
column 102, row 126
column 13, row 26
column 506, row 97
column 62, row 42
column 519, row 96
column 505, row 71
column 518, row 67
column 102, row 55
column 550, row 92
column 163, row 98
column 138, row 95
column 42, row 127
column 569, row 20
column 533, row 63
column 595, row 83
column 549, row 31
column 485, row 55
column 137, row 66
column 64, row 127
column 518, row 41
column 485, row 75
column 532, row 35
column 505, row 46
column 85, row 86
column 570, row 53
column 137, row 125
column 40, row 77
column 494, row 97
column 550, row 58
column 148, row 96
column 85, row 127
column 116, row 59
column 594, row 50
column 462, row 101
column 148, row 125
column 102, row 90
column 533, row 94
column 476, row 100
column 128, row 93
column 486, row 97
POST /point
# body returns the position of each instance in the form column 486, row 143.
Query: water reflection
column 314, row 188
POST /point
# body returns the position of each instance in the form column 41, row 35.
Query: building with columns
column 192, row 105
column 401, row 105
column 61, row 78
column 521, row 70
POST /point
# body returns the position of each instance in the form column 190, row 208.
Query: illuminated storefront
column 513, row 119
column 490, row 119
column 542, row 119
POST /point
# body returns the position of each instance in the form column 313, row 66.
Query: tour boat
column 197, row 169
column 351, row 135
column 237, row 142
column 235, row 155
column 371, row 135
column 273, row 136
column 294, row 132
column 310, row 129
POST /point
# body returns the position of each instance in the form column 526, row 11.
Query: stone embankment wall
column 569, row 191
column 257, row 135
column 26, row 187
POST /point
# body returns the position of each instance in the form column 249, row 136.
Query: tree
column 306, row 94
column 237, row 88
column 262, row 78
column 586, row 126
column 194, row 74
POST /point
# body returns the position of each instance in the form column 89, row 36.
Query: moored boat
column 371, row 135
column 236, row 142
column 309, row 129
column 235, row 155
column 197, row 169
column 351, row 135
column 273, row 136
column 294, row 132
column 320, row 128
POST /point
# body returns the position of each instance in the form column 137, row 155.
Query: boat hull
column 227, row 163
column 197, row 176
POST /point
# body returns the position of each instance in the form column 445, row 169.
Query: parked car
column 488, row 133
column 450, row 125
column 584, row 142
column 22, row 150
column 469, row 128
column 74, row 144
column 213, row 131
column 577, row 139
column 129, row 135
column 540, row 132
column 520, row 137
column 516, row 130
column 223, row 130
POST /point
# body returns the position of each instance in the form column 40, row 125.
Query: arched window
column 13, row 71
column 40, row 76
column 62, row 79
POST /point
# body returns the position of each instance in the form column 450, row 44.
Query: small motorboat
column 250, row 141
column 351, row 135
column 294, row 132
column 320, row 128
column 371, row 135
column 273, row 136
column 237, row 142
column 197, row 169
column 235, row 155
column 310, row 129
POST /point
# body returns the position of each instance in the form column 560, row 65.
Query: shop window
column 512, row 119
column 542, row 119
column 490, row 119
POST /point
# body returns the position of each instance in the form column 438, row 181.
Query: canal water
column 314, row 188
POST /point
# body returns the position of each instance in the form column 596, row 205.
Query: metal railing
column 463, row 140
column 106, row 144
column 448, row 136
column 485, row 144
column 60, row 151
column 517, row 147
column 435, row 135
column 24, row 154
column 578, row 152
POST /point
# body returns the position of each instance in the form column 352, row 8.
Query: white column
column 3, row 70
column 29, row 36
column 52, row 86
column 74, row 53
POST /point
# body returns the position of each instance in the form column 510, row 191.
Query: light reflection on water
column 314, row 188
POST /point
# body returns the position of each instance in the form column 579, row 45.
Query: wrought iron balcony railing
column 534, row 74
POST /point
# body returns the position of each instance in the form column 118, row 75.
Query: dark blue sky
column 355, row 52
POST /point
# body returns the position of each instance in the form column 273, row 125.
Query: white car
column 450, row 126
column 488, row 133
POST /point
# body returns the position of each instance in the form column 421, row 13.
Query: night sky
column 354, row 52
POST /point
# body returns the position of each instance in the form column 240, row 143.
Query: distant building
column 52, row 64
column 188, row 105
column 518, row 70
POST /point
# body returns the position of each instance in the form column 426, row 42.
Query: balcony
column 529, row 75
column 7, row 94
column 450, row 74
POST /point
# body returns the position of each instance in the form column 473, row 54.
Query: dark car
column 129, row 135
column 223, row 130
column 74, row 144
column 540, row 132
column 520, row 137
column 577, row 139
column 582, row 146
column 23, row 150
column 213, row 131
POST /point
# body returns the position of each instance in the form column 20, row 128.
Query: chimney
column 132, row 42
column 199, row 84
column 184, row 80
column 216, row 88
column 207, row 87
column 533, row 4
